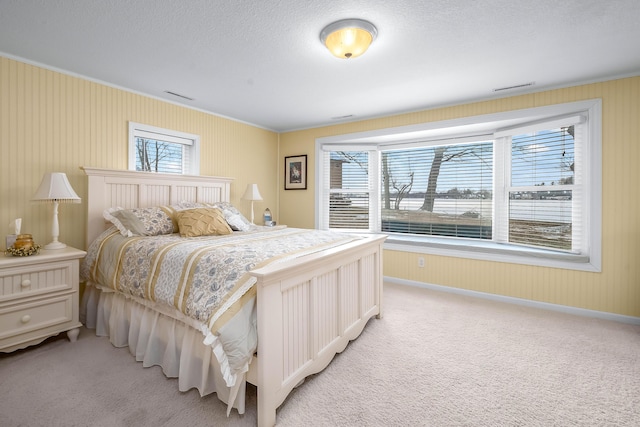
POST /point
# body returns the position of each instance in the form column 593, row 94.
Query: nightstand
column 39, row 297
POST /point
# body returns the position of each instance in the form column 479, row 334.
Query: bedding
column 234, row 218
column 202, row 222
column 308, row 304
column 204, row 279
column 154, row 220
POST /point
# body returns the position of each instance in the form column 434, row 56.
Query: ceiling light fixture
column 348, row 38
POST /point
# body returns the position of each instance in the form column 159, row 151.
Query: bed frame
column 308, row 309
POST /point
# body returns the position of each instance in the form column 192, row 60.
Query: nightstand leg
column 73, row 334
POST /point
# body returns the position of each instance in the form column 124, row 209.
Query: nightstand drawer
column 22, row 318
column 39, row 297
column 36, row 278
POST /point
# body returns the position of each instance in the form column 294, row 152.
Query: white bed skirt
column 157, row 339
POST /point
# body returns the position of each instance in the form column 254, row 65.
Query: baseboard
column 520, row 301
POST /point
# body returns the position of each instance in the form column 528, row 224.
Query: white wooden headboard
column 129, row 189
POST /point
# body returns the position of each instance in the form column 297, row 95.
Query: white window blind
column 155, row 149
column 348, row 189
column 522, row 186
column 542, row 197
column 443, row 190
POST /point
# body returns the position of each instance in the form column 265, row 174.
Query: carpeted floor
column 434, row 359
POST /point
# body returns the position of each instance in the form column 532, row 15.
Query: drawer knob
column 25, row 319
column 26, row 283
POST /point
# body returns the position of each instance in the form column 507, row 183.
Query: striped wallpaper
column 55, row 122
column 616, row 289
column 51, row 121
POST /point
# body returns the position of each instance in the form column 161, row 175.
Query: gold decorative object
column 23, row 241
column 23, row 252
column 23, row 246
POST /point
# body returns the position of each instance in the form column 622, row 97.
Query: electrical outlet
column 420, row 262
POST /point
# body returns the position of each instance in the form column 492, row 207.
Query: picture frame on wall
column 295, row 172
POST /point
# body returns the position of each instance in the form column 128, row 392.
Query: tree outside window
column 158, row 156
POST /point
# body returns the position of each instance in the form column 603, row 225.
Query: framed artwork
column 295, row 173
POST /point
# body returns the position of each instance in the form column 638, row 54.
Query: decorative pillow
column 141, row 221
column 234, row 218
column 187, row 205
column 202, row 222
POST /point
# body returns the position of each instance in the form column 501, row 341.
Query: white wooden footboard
column 308, row 311
column 308, row 308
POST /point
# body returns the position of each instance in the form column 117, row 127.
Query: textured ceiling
column 261, row 62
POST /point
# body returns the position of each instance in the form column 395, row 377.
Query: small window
column 154, row 149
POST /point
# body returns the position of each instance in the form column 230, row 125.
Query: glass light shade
column 348, row 38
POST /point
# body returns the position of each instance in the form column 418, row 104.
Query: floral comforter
column 205, row 279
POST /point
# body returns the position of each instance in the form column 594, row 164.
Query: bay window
column 521, row 186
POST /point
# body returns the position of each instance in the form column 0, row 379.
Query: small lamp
column 348, row 38
column 252, row 194
column 55, row 188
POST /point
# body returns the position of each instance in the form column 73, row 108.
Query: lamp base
column 54, row 246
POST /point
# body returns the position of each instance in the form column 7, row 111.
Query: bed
column 305, row 305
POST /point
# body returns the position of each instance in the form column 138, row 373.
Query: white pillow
column 234, row 218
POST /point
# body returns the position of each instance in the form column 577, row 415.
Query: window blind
column 438, row 190
column 544, row 207
column 155, row 149
column 348, row 189
column 161, row 156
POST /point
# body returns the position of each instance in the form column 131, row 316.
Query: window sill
column 490, row 251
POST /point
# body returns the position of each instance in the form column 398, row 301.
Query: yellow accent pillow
column 202, row 222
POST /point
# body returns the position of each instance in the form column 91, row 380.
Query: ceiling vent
column 178, row 95
column 500, row 89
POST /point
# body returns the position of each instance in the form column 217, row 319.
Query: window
column 154, row 149
column 351, row 190
column 520, row 187
column 542, row 199
column 440, row 190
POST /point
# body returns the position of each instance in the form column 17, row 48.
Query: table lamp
column 55, row 188
column 252, row 193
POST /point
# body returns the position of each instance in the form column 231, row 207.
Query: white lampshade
column 55, row 188
column 252, row 193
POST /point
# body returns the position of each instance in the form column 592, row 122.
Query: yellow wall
column 55, row 122
column 616, row 289
column 52, row 122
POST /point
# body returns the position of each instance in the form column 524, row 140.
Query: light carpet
column 434, row 359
